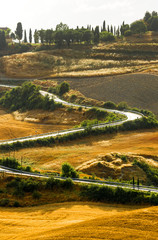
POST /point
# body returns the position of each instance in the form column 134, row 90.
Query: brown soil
column 71, row 221
column 138, row 90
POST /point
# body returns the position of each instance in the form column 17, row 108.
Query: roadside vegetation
column 20, row 192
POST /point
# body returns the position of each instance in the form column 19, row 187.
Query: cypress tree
column 96, row 35
column 111, row 29
column 30, row 36
column 3, row 43
column 104, row 26
column 25, row 37
column 19, row 31
column 36, row 36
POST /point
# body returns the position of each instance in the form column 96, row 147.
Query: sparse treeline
column 63, row 35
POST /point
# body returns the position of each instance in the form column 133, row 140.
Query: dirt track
column 138, row 90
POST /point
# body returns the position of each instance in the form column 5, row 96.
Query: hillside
column 138, row 90
column 82, row 61
column 75, row 220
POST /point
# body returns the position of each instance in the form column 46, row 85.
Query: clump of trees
column 60, row 89
column 27, row 97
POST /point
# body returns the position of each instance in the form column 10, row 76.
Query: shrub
column 4, row 202
column 52, row 183
column 68, row 184
column 36, row 195
column 106, row 36
column 109, row 105
column 68, row 171
column 16, row 204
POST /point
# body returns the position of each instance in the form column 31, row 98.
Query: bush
column 52, row 183
column 68, row 184
column 109, row 105
column 16, row 204
column 68, row 171
column 4, row 202
column 36, row 195
column 106, row 36
column 127, row 33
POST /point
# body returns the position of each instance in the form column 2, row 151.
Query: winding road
column 130, row 116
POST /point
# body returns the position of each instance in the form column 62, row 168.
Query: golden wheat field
column 74, row 220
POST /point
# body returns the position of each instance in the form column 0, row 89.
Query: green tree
column 138, row 27
column 61, row 27
column 41, row 35
column 69, row 36
column 124, row 28
column 87, row 36
column 59, row 37
column 30, row 36
column 49, row 36
column 153, row 23
column 104, row 26
column 36, row 36
column 68, row 171
column 147, row 16
column 63, row 88
column 96, row 35
column 106, row 36
column 25, row 37
column 3, row 43
column 19, row 31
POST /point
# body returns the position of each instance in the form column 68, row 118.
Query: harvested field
column 36, row 122
column 138, row 90
column 79, row 221
column 83, row 150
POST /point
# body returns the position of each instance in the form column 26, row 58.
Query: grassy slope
column 79, row 221
column 83, row 60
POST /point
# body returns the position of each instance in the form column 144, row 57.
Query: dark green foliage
column 67, row 184
column 52, row 183
column 4, row 202
column 27, row 97
column 68, row 171
column 96, row 35
column 30, row 36
column 106, row 37
column 25, row 37
column 96, row 113
column 153, row 23
column 3, row 43
column 10, row 162
column 63, row 88
column 152, row 173
column 16, row 204
column 115, row 195
column 138, row 27
column 19, row 31
column 124, row 28
column 36, row 195
column 109, row 105
column 122, row 106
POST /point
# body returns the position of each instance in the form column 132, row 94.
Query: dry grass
column 36, row 122
column 81, row 151
column 79, row 221
column 101, row 60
